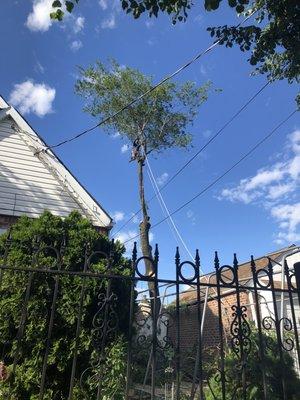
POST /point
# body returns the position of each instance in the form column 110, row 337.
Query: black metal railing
column 88, row 333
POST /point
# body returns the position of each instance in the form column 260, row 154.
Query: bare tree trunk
column 144, row 236
column 145, row 223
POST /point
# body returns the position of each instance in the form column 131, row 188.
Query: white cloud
column 126, row 235
column 190, row 213
column 162, row 179
column 39, row 19
column 203, row 70
column 109, row 23
column 79, row 24
column 199, row 18
column 151, row 237
column 112, row 8
column 103, row 4
column 288, row 216
column 191, row 216
column 275, row 192
column 124, row 148
column 118, row 216
column 39, row 67
column 115, row 135
column 150, row 42
column 149, row 23
column 275, row 187
column 33, row 97
column 76, row 45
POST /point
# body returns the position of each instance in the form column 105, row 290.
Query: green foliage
column 60, row 6
column 273, row 39
column 52, row 231
column 160, row 118
column 273, row 369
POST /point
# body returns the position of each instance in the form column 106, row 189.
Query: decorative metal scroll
column 155, row 339
column 240, row 331
column 286, row 341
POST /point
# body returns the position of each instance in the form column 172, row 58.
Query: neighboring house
column 34, row 179
column 189, row 326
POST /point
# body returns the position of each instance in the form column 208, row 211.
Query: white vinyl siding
column 26, row 185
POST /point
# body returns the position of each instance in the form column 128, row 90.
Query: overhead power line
column 165, row 207
column 204, row 190
column 187, row 163
column 171, row 222
column 137, row 99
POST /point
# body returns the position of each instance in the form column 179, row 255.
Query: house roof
column 244, row 274
column 75, row 194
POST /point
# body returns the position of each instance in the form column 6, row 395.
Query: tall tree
column 156, row 123
column 273, row 38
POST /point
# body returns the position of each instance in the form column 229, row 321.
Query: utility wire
column 171, row 221
column 252, row 150
column 164, row 206
column 137, row 99
column 232, row 118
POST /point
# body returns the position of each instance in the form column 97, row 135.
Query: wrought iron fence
column 93, row 333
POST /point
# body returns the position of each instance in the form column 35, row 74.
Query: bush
column 24, row 384
column 273, row 368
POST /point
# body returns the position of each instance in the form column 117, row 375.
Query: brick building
column 34, row 179
column 189, row 325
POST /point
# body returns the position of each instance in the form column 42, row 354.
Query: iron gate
column 216, row 335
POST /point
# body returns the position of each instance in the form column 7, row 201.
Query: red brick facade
column 211, row 335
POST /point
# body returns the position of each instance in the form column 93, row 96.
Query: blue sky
column 254, row 210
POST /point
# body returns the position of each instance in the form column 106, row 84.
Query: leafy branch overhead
column 273, row 38
column 59, row 7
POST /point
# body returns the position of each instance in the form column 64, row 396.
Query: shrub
column 273, row 368
column 76, row 232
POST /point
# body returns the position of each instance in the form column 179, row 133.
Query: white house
column 34, row 179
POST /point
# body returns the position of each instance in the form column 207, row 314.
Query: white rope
column 163, row 203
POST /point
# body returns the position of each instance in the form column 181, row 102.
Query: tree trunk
column 144, row 238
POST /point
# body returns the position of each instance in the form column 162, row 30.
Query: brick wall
column 211, row 336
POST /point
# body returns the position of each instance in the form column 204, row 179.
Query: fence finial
column 197, row 257
column 134, row 252
column 253, row 266
column 177, row 256
column 217, row 263
column 235, row 261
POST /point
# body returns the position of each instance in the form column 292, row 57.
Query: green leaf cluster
column 160, row 118
column 273, row 38
column 274, row 41
column 60, row 7
column 72, row 235
column 272, row 367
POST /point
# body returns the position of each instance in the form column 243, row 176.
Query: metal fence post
column 297, row 276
